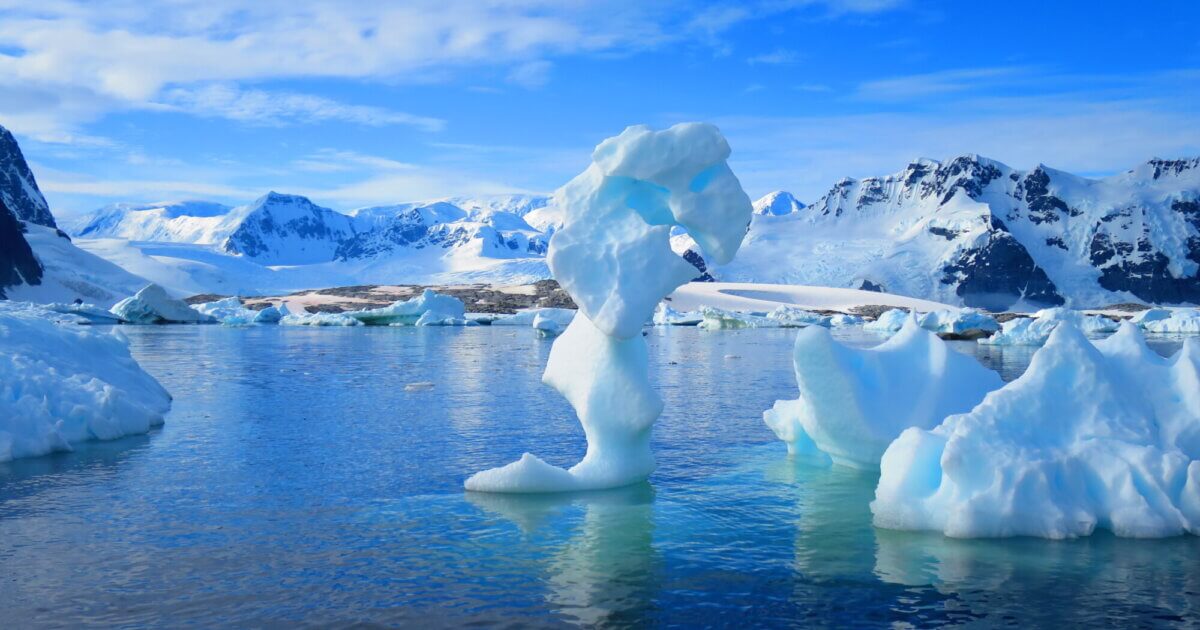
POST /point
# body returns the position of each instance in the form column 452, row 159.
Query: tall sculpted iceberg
column 854, row 402
column 1094, row 435
column 614, row 257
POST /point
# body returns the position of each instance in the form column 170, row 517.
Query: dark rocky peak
column 969, row 173
column 18, row 265
column 1162, row 168
column 18, row 188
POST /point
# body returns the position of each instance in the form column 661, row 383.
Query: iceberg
column 62, row 384
column 549, row 323
column 319, row 319
column 271, row 314
column 228, row 311
column 854, row 402
column 966, row 323
column 890, row 321
column 409, row 312
column 1094, row 435
column 1025, row 331
column 1178, row 321
column 152, row 305
column 613, row 256
column 842, row 320
column 713, row 318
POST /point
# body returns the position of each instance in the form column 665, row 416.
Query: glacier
column 152, row 305
column 854, row 402
column 613, row 256
column 65, row 384
column 1094, row 435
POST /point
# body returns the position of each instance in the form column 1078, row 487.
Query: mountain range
column 968, row 230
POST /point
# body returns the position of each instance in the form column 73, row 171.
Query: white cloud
column 531, row 75
column 940, row 83
column 776, row 57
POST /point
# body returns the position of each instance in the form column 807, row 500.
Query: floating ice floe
column 319, row 319
column 1179, row 320
column 613, row 256
column 889, row 321
column 841, row 320
column 713, row 318
column 1026, row 331
column 152, row 305
column 86, row 313
column 664, row 315
column 854, row 402
column 435, row 308
column 965, row 323
column 1094, row 435
column 271, row 314
column 791, row 316
column 547, row 324
column 548, row 317
column 64, row 384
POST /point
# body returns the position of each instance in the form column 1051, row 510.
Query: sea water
column 299, row 480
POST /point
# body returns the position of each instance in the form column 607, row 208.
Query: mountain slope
column 18, row 189
column 18, row 265
column 976, row 232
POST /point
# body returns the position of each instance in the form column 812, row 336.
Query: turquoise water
column 298, row 482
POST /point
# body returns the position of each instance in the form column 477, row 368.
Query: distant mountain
column 37, row 261
column 974, row 231
column 968, row 231
column 777, row 204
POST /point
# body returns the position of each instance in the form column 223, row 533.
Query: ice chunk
column 60, row 385
column 842, row 320
column 889, row 321
column 854, row 402
column 229, row 311
column 547, row 325
column 1103, row 435
column 664, row 315
column 966, row 323
column 152, row 305
column 319, row 319
column 1150, row 315
column 1181, row 320
column 1025, row 331
column 613, row 256
column 613, row 253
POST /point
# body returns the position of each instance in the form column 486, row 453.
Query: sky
column 358, row 104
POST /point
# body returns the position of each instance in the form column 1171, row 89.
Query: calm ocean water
column 297, row 482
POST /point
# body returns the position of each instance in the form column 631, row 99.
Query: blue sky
column 358, row 104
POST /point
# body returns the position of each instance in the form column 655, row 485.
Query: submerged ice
column 1094, row 435
column 854, row 402
column 613, row 256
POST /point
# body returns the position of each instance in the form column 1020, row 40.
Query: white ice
column 793, row 316
column 664, row 315
column 854, row 402
column 1026, row 331
column 1094, row 435
column 436, row 309
column 318, row 319
column 613, row 256
column 64, row 384
column 152, row 305
column 88, row 313
column 719, row 319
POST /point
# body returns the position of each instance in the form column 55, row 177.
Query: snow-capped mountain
column 168, row 222
column 974, row 231
column 777, row 204
column 38, row 262
column 287, row 230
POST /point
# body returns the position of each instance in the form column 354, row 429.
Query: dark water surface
column 297, row 482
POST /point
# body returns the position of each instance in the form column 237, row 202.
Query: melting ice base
column 613, row 256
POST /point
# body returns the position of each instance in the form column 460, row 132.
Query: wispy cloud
column 277, row 108
column 939, row 83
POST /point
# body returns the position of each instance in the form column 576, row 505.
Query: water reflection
column 606, row 571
